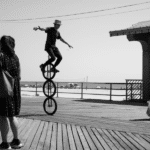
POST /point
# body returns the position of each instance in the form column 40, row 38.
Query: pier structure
column 140, row 32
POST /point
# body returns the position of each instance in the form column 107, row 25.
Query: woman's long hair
column 7, row 44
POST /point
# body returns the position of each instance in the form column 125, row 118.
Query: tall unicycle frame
column 49, row 90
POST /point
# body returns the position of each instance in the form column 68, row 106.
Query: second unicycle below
column 50, row 106
column 49, row 88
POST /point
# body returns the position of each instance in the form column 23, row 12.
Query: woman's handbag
column 6, row 82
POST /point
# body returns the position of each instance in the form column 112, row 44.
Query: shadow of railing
column 133, row 103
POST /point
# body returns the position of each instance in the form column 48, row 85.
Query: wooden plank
column 59, row 137
column 82, row 137
column 71, row 139
column 20, row 120
column 107, row 140
column 76, row 138
column 31, row 135
column 95, row 140
column 126, row 141
column 139, row 139
column 54, row 137
column 40, row 135
column 145, row 137
column 20, row 127
column 25, row 133
column 42, row 138
column 113, row 139
column 137, row 145
column 102, row 141
column 88, row 138
column 25, row 129
column 26, row 125
column 21, row 124
column 37, row 136
column 144, row 142
column 119, row 140
column 48, row 137
column 65, row 138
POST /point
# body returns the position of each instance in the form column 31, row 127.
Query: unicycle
column 50, row 106
column 49, row 90
column 48, row 74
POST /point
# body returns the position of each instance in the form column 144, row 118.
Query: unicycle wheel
column 50, row 106
column 48, row 74
column 49, row 88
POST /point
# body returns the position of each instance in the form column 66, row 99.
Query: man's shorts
column 52, row 50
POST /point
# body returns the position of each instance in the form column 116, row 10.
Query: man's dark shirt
column 52, row 35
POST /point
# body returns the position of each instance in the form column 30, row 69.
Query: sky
column 95, row 57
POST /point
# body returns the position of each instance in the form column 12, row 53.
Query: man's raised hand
column 70, row 46
column 36, row 28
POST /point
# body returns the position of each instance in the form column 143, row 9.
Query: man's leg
column 58, row 55
column 52, row 58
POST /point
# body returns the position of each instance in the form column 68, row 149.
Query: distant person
column 50, row 47
column 10, row 107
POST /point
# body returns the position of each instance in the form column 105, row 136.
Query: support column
column 144, row 39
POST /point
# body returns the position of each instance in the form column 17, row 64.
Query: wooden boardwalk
column 46, row 135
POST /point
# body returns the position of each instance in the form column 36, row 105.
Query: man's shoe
column 5, row 145
column 42, row 68
column 16, row 144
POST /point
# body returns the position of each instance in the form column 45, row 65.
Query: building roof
column 140, row 27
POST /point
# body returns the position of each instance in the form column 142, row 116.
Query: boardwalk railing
column 105, row 91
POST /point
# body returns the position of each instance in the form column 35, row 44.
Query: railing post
column 140, row 88
column 36, row 94
column 110, row 91
column 82, row 90
column 131, row 92
column 57, row 88
column 126, row 91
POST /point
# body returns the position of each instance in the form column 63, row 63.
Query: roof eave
column 130, row 31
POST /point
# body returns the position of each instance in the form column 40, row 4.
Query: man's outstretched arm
column 39, row 28
column 61, row 39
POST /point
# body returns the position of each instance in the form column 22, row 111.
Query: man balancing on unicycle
column 50, row 48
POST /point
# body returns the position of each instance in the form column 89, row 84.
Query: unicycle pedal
column 54, row 70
